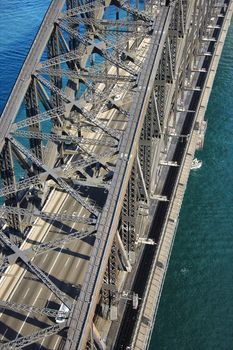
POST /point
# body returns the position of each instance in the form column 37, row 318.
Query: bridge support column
column 123, row 257
column 32, row 109
column 109, row 291
column 53, row 51
column 145, row 152
column 98, row 340
column 128, row 217
column 8, row 177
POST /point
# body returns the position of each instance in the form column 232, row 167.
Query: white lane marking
column 19, row 331
column 110, row 119
column 25, row 241
column 49, row 298
column 54, row 262
column 67, row 261
column 37, row 296
column 58, row 339
column 78, row 263
column 4, row 334
column 26, row 293
column 45, row 258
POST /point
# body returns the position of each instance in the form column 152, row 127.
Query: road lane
column 66, row 266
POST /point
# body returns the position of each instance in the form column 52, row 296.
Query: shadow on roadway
column 70, row 252
column 11, row 334
column 31, row 320
column 70, row 289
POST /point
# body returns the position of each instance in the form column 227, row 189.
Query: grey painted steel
column 21, row 342
column 24, row 78
column 128, row 112
column 34, row 309
column 84, row 309
column 47, row 216
column 35, row 269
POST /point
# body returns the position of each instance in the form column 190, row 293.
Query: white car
column 63, row 310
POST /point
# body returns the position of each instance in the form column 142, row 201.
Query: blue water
column 196, row 310
column 19, row 22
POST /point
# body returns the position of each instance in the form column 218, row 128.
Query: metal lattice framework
column 86, row 140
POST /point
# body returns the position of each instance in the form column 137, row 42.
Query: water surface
column 196, row 308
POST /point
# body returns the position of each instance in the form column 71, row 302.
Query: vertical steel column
column 53, row 51
column 109, row 291
column 73, row 42
column 32, row 109
column 163, row 77
column 165, row 97
column 129, row 212
column 8, row 176
column 71, row 4
column 190, row 48
column 145, row 148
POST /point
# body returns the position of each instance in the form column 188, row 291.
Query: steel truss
column 112, row 75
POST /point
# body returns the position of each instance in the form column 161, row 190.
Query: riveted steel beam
column 21, row 342
column 34, row 269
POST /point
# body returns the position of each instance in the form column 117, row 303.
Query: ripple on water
column 24, row 17
column 196, row 310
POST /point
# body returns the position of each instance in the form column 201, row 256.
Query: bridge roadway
column 208, row 64
column 66, row 266
column 74, row 265
column 84, row 309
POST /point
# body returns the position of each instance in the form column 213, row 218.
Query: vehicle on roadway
column 63, row 310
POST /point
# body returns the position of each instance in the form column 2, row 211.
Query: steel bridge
column 96, row 143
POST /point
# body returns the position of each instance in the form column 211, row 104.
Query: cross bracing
column 97, row 77
column 64, row 138
column 45, row 215
column 102, row 74
column 29, row 308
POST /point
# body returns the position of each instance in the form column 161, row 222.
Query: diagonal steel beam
column 62, row 183
column 92, row 159
column 63, row 58
column 30, row 308
column 137, row 13
column 64, row 138
column 140, row 171
column 47, row 216
column 100, row 48
column 51, row 245
column 87, row 114
column 23, row 184
column 97, row 76
column 21, row 342
column 48, row 115
column 35, row 269
column 24, row 78
column 82, row 9
column 94, row 5
column 4, row 263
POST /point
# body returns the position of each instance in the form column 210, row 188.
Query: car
column 60, row 318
